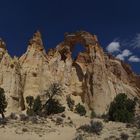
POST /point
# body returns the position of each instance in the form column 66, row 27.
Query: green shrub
column 80, row 109
column 54, row 89
column 137, row 121
column 79, row 137
column 124, row 136
column 94, row 127
column 136, row 99
column 105, row 117
column 93, row 114
column 85, row 128
column 3, row 102
column 13, row 116
column 53, row 107
column 30, row 112
column 122, row 109
column 70, row 102
column 37, row 106
column 34, row 106
column 30, row 101
column 23, row 117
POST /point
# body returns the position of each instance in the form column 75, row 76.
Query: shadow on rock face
column 79, row 71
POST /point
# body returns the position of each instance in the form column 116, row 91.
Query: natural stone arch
column 66, row 47
column 89, row 67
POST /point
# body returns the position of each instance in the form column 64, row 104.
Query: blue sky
column 114, row 22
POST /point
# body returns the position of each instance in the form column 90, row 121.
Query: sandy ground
column 47, row 129
column 20, row 131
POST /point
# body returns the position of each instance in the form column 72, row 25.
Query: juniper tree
column 3, row 102
column 30, row 101
column 52, row 105
column 37, row 107
column 122, row 109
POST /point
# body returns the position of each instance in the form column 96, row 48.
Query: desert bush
column 3, row 121
column 59, row 120
column 79, row 137
column 34, row 106
column 124, row 136
column 23, row 117
column 24, row 130
column 30, row 101
column 30, row 112
column 80, row 109
column 12, row 66
column 112, row 137
column 63, row 115
column 85, row 128
column 54, row 89
column 105, row 117
column 128, row 125
column 70, row 102
column 33, row 119
column 138, row 125
column 53, row 107
column 96, row 127
column 13, row 116
column 122, row 109
column 93, row 114
column 136, row 99
column 34, row 74
column 37, row 106
column 69, row 118
column 137, row 121
column 93, row 127
column 3, row 103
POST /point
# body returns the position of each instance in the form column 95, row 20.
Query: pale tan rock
column 95, row 77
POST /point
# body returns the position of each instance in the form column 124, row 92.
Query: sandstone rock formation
column 94, row 76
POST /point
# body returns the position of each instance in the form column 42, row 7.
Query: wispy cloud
column 113, row 47
column 125, row 53
column 134, row 59
column 117, row 48
column 135, row 42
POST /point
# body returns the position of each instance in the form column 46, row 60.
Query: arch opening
column 78, row 48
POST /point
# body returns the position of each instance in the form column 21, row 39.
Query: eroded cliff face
column 10, row 79
column 94, row 76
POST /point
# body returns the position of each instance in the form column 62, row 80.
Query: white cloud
column 135, row 43
column 113, row 47
column 134, row 59
column 120, row 56
column 125, row 53
column 131, row 43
